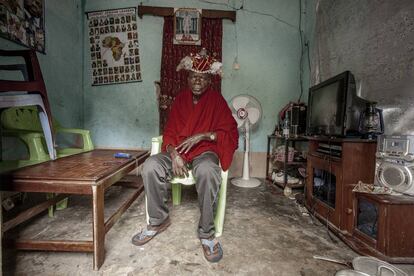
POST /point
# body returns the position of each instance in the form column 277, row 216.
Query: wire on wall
column 236, row 65
column 301, row 52
column 242, row 7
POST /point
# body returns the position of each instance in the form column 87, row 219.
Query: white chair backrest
column 156, row 143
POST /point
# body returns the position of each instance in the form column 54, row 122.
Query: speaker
column 395, row 163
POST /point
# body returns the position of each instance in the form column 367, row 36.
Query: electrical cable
column 249, row 11
column 301, row 52
column 329, row 188
column 308, row 54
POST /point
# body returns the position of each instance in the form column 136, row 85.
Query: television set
column 334, row 108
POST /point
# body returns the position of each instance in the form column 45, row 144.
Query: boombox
column 395, row 163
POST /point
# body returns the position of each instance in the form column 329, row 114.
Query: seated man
column 200, row 132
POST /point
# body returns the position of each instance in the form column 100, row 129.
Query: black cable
column 327, row 228
column 301, row 52
column 247, row 10
column 308, row 54
column 329, row 188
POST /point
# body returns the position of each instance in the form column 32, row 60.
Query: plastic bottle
column 287, row 191
column 285, row 126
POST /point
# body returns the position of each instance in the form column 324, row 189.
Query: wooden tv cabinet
column 383, row 227
column 374, row 225
column 354, row 161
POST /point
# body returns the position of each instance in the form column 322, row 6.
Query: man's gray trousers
column 206, row 170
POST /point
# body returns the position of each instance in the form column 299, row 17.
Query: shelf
column 299, row 138
column 293, row 186
column 292, row 163
column 274, row 141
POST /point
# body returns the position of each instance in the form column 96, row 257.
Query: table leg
column 98, row 226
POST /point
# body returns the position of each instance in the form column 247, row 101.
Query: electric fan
column 247, row 112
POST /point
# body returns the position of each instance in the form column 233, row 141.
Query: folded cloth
column 371, row 189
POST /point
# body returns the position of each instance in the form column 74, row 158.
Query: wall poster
column 23, row 21
column 187, row 26
column 113, row 41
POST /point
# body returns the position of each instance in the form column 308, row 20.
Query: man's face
column 198, row 82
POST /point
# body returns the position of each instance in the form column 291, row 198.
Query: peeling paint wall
column 375, row 41
column 126, row 115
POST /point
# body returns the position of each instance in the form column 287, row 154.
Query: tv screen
column 326, row 102
column 334, row 108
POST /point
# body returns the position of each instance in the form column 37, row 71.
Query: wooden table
column 88, row 173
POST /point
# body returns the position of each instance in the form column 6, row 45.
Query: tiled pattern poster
column 113, row 41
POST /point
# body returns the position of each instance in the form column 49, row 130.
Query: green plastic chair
column 24, row 124
column 176, row 190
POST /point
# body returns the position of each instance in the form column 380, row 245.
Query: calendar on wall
column 114, row 48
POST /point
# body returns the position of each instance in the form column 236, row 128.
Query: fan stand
column 246, row 181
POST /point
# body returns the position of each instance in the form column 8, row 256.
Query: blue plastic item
column 122, row 155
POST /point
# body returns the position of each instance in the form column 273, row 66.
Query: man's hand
column 191, row 141
column 179, row 167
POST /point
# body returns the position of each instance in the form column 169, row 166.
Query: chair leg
column 176, row 194
column 59, row 206
column 51, row 207
column 221, row 206
column 146, row 210
column 63, row 204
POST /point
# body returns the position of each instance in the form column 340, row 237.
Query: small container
column 122, row 155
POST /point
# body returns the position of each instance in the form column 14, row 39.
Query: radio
column 395, row 163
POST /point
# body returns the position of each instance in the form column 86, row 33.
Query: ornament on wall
column 23, row 22
column 113, row 41
column 187, row 26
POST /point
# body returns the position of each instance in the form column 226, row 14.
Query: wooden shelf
column 292, row 163
column 293, row 186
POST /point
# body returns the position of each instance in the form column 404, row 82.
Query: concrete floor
column 264, row 234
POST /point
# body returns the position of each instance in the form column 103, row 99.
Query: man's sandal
column 149, row 233
column 212, row 250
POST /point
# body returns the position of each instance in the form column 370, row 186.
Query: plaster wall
column 375, row 41
column 61, row 65
column 126, row 115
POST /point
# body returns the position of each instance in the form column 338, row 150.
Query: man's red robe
column 211, row 113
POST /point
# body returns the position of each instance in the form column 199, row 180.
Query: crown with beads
column 201, row 62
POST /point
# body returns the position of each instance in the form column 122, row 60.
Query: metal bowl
column 376, row 267
column 350, row 272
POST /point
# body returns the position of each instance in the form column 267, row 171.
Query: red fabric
column 202, row 63
column 211, row 113
column 172, row 82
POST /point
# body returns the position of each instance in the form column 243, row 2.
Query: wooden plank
column 39, row 186
column 55, row 245
column 130, row 181
column 165, row 11
column 31, row 212
column 115, row 216
column 98, row 226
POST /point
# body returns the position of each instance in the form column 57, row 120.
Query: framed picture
column 187, row 26
column 113, row 44
column 22, row 21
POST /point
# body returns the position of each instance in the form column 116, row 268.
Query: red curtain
column 172, row 82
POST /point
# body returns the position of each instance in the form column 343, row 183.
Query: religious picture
column 187, row 26
column 113, row 45
column 22, row 21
